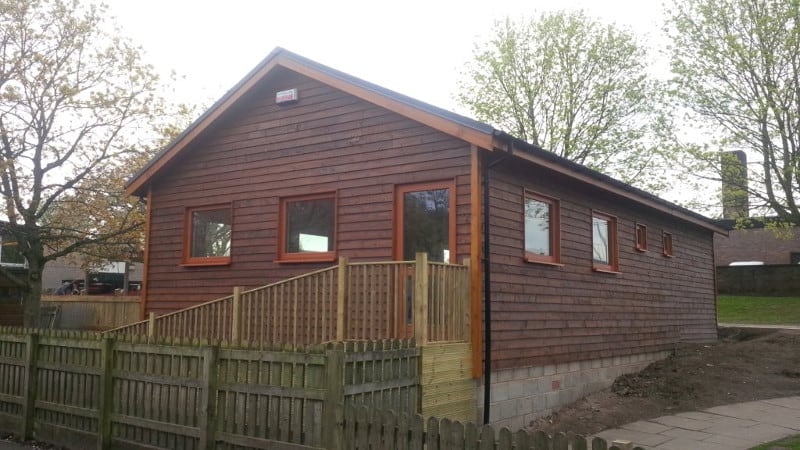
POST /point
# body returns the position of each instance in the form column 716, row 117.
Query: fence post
column 332, row 408
column 207, row 409
column 106, row 393
column 236, row 316
column 341, row 298
column 151, row 325
column 421, row 298
column 29, row 388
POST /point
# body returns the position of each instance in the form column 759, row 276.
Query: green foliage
column 76, row 101
column 737, row 78
column 758, row 310
column 787, row 443
column 574, row 86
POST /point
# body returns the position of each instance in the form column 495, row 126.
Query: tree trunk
column 32, row 298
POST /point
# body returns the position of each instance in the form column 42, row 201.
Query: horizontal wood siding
column 543, row 314
column 260, row 152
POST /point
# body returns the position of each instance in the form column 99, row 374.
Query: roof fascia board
column 551, row 165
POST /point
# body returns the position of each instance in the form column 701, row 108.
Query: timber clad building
column 300, row 164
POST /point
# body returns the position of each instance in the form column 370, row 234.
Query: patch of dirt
column 744, row 365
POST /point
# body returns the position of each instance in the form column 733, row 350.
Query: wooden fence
column 87, row 391
column 90, row 312
column 350, row 301
column 362, row 428
column 84, row 390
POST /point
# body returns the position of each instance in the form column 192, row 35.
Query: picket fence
column 85, row 390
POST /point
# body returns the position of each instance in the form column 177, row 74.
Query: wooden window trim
column 640, row 240
column 667, row 244
column 400, row 190
column 286, row 257
column 613, row 244
column 554, row 259
column 199, row 261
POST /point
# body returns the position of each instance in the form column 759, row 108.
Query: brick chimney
column 735, row 201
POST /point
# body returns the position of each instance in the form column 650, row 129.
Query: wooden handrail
column 352, row 300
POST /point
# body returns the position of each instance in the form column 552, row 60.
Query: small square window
column 542, row 233
column 308, row 228
column 605, row 256
column 667, row 242
column 641, row 237
column 208, row 235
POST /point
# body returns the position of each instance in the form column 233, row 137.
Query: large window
column 604, row 243
column 208, row 235
column 542, row 234
column 308, row 228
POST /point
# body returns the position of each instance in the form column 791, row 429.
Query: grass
column 758, row 310
column 788, row 443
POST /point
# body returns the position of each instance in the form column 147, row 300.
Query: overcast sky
column 414, row 47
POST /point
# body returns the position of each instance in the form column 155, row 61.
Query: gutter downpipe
column 487, row 285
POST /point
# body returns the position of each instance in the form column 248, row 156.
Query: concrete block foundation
column 520, row 395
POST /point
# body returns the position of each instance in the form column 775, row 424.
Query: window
column 542, row 230
column 667, row 241
column 208, row 235
column 308, row 228
column 794, row 258
column 9, row 252
column 604, row 243
column 641, row 237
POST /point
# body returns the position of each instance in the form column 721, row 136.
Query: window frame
column 308, row 257
column 399, row 209
column 613, row 244
column 667, row 244
column 188, row 259
column 555, row 229
column 640, row 240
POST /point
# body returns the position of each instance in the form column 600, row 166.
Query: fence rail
column 350, row 301
column 82, row 390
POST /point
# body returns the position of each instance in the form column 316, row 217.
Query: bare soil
column 744, row 365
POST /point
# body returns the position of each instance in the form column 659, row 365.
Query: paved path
column 731, row 427
column 750, row 325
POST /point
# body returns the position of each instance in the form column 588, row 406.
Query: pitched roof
column 477, row 133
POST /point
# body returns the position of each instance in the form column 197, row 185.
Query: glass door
column 425, row 222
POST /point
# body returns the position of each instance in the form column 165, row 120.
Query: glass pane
column 600, row 240
column 211, row 233
column 309, row 226
column 426, row 224
column 9, row 252
column 537, row 227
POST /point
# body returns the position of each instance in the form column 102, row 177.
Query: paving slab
column 730, row 427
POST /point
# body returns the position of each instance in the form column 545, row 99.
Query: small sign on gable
column 286, row 97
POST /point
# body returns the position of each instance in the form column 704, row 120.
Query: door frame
column 401, row 189
column 405, row 329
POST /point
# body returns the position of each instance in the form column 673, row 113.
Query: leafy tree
column 571, row 85
column 74, row 97
column 736, row 66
